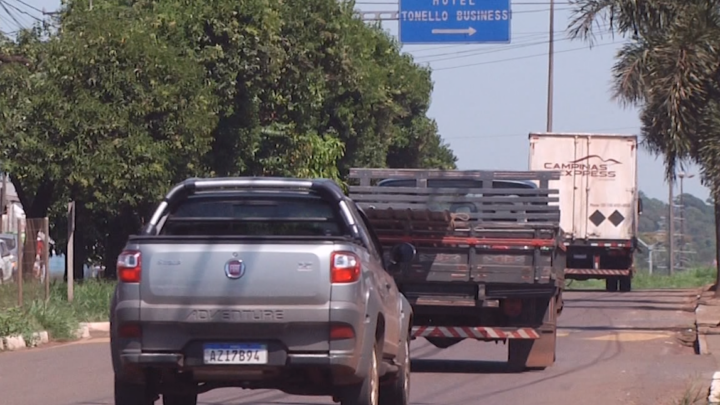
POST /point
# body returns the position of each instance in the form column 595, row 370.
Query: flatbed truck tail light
column 128, row 266
column 344, row 267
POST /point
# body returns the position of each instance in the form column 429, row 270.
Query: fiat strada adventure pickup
column 259, row 283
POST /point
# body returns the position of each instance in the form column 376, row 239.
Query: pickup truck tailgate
column 244, row 291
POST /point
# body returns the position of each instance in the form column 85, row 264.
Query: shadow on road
column 623, row 328
column 685, row 308
column 458, row 366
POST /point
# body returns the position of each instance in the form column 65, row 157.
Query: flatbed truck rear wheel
column 611, row 284
column 536, row 353
column 625, row 283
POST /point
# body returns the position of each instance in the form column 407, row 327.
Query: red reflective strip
column 454, row 240
column 461, row 332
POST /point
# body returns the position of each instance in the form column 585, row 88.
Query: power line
column 525, row 135
column 521, row 3
column 22, row 11
column 30, row 6
column 4, row 6
column 518, row 58
column 517, row 35
column 475, row 52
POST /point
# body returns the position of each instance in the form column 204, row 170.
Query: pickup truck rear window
column 254, row 216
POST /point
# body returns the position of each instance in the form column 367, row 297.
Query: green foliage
column 57, row 316
column 678, row 101
column 699, row 230
column 642, row 281
column 133, row 96
column 14, row 321
column 669, row 69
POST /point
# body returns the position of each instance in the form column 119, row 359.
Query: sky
column 487, row 98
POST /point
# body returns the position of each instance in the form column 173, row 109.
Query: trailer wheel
column 626, row 284
column 611, row 284
column 536, row 353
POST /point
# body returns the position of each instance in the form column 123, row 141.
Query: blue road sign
column 454, row 21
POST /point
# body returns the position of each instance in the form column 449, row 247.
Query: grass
column 695, row 394
column 642, row 280
column 56, row 315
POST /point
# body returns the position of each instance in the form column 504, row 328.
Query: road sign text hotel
column 459, row 15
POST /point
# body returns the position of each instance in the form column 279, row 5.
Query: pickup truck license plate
column 247, row 353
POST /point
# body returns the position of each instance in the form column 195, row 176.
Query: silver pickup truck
column 259, row 283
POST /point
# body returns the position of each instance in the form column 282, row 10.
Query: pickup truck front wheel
column 368, row 391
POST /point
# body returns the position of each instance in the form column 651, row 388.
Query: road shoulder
column 86, row 330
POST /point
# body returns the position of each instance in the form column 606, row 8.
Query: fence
column 24, row 263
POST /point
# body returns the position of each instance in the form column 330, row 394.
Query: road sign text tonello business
column 472, row 15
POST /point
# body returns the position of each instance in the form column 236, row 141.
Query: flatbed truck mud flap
column 474, row 332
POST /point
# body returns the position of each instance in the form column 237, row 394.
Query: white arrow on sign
column 468, row 31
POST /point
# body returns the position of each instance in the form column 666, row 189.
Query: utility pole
column 70, row 260
column 551, row 68
column 3, row 202
column 683, row 227
column 671, row 228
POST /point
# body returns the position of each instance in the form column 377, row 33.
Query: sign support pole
column 551, row 68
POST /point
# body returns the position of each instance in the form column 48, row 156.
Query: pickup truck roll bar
column 325, row 187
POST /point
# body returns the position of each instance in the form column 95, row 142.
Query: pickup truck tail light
column 128, row 266
column 130, row 331
column 344, row 267
column 341, row 332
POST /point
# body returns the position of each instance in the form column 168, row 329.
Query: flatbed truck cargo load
column 490, row 257
column 598, row 200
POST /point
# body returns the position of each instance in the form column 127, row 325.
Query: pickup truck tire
column 181, row 399
column 127, row 393
column 368, row 391
column 398, row 393
column 611, row 284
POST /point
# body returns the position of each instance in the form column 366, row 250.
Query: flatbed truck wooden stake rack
column 491, row 259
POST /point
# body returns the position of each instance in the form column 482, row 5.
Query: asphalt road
column 613, row 348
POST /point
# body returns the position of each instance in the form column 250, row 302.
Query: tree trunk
column 79, row 242
column 716, row 205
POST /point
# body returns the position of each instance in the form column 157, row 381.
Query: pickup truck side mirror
column 403, row 253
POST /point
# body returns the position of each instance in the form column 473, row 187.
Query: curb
column 714, row 394
column 86, row 330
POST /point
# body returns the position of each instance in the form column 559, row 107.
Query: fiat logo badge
column 234, row 269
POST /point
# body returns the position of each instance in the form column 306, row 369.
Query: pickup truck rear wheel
column 368, row 391
column 398, row 393
column 127, row 393
column 180, row 399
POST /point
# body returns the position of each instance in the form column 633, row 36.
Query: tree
column 129, row 97
column 669, row 69
column 109, row 118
